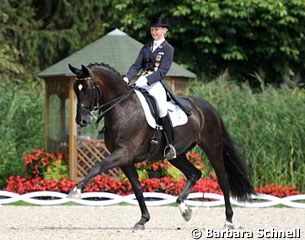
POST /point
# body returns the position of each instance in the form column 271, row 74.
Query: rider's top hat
column 159, row 22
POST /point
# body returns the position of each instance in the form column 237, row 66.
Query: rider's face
column 158, row 32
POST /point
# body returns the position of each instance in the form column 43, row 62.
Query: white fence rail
column 153, row 199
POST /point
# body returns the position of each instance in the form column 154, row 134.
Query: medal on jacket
column 157, row 62
column 158, row 58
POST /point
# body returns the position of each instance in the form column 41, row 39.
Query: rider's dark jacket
column 158, row 62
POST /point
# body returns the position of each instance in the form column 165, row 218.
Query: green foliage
column 174, row 173
column 244, row 37
column 21, row 124
column 58, row 170
column 7, row 65
column 40, row 33
column 241, row 37
column 268, row 126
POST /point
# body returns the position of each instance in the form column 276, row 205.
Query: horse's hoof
column 187, row 215
column 229, row 225
column 75, row 194
column 185, row 211
column 139, row 227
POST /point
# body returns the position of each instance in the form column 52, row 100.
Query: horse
column 127, row 137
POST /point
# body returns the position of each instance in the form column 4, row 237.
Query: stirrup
column 169, row 152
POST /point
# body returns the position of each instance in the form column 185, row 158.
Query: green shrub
column 21, row 124
column 268, row 126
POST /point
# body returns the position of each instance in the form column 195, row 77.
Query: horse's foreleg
column 116, row 159
column 192, row 174
column 132, row 175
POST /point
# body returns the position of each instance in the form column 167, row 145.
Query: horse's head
column 96, row 87
column 87, row 94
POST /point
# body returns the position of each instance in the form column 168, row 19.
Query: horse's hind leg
column 213, row 148
column 132, row 175
column 192, row 174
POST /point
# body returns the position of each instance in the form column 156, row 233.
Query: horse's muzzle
column 83, row 121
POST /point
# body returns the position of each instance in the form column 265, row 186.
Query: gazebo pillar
column 60, row 126
column 73, row 134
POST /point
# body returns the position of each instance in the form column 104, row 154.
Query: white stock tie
column 155, row 46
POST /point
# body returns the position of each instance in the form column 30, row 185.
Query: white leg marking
column 182, row 207
column 229, row 225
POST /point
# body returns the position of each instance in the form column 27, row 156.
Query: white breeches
column 157, row 90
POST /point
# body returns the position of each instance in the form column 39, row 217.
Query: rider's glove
column 126, row 80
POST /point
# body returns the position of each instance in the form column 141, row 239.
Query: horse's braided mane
column 104, row 65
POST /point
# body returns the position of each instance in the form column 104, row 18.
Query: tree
column 245, row 38
column 41, row 32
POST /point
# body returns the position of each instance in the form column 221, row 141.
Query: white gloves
column 142, row 81
column 126, row 80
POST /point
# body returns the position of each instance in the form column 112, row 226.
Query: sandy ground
column 116, row 222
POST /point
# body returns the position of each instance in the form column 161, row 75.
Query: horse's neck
column 113, row 87
column 123, row 121
column 126, row 106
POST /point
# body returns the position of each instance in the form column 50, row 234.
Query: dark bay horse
column 127, row 136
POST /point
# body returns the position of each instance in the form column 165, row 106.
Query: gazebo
column 61, row 133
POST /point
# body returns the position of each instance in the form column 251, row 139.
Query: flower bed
column 49, row 172
column 105, row 183
column 46, row 165
column 278, row 191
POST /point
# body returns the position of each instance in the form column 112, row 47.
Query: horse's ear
column 76, row 71
column 86, row 71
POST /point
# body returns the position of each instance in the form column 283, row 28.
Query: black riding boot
column 169, row 150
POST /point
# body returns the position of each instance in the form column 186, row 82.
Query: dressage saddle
column 182, row 102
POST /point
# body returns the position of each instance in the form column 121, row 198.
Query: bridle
column 96, row 94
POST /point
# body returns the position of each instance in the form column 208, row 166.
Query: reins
column 112, row 104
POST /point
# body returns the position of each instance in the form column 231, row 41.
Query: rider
column 154, row 61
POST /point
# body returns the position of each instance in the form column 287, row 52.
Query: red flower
column 106, row 183
column 278, row 191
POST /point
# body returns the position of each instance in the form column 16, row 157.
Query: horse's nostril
column 82, row 123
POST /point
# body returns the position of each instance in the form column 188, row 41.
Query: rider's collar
column 158, row 42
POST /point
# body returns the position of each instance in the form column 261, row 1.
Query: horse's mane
column 104, row 65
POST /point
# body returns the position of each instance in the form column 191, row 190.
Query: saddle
column 182, row 102
column 174, row 103
column 152, row 103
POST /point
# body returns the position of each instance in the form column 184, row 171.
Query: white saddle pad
column 177, row 116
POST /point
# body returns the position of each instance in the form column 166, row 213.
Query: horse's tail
column 240, row 183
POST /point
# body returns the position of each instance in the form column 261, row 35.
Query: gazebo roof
column 116, row 49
